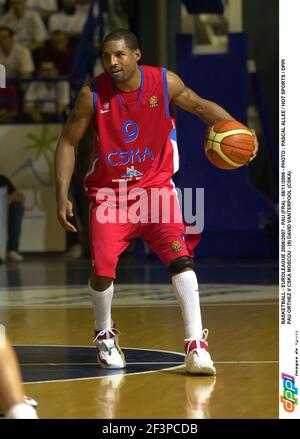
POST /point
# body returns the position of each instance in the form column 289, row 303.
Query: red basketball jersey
column 134, row 134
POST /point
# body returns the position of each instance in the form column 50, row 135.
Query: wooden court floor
column 243, row 342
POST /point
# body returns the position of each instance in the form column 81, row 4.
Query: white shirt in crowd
column 70, row 24
column 28, row 29
column 18, row 61
column 42, row 5
column 58, row 94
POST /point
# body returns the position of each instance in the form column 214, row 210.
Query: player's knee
column 182, row 264
column 100, row 283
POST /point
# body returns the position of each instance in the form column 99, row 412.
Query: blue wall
column 235, row 212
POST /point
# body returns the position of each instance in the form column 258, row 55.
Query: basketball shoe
column 197, row 359
column 28, row 400
column 109, row 354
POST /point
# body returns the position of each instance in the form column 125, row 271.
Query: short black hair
column 7, row 29
column 129, row 37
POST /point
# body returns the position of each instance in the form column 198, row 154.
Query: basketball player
column 128, row 107
column 12, row 399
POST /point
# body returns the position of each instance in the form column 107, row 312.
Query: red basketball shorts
column 163, row 235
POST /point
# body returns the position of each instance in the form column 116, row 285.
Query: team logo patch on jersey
column 131, row 172
column 176, row 246
column 153, row 102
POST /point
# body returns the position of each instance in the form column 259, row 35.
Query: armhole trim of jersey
column 166, row 92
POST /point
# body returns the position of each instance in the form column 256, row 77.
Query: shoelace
column 197, row 342
column 205, row 333
column 112, row 332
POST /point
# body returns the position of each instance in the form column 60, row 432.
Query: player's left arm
column 188, row 100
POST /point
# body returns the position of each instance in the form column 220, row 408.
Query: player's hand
column 65, row 210
column 256, row 146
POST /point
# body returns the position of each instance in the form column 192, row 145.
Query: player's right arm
column 73, row 131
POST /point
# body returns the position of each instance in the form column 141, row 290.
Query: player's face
column 119, row 61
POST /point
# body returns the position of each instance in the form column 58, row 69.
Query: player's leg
column 170, row 246
column 11, row 389
column 186, row 289
column 106, row 246
column 101, row 290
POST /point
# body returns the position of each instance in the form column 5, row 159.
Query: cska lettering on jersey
column 121, row 158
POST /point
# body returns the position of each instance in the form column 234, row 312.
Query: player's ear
column 137, row 54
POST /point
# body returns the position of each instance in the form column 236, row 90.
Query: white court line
column 241, row 304
column 97, row 364
column 147, row 305
column 180, row 365
column 105, row 376
column 119, row 286
column 248, row 362
column 128, row 375
column 150, row 362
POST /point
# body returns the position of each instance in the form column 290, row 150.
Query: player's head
column 121, row 54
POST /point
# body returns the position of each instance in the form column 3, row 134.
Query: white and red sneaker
column 197, row 359
column 28, row 400
column 109, row 354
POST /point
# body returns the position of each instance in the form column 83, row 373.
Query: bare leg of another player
column 11, row 388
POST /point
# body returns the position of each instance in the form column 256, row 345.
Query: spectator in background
column 117, row 14
column 16, row 58
column 83, row 5
column 2, row 3
column 15, row 216
column 47, row 100
column 29, row 29
column 43, row 7
column 59, row 52
column 69, row 20
column 9, row 103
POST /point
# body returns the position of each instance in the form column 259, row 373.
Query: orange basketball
column 228, row 144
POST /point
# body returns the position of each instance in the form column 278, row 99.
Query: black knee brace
column 178, row 265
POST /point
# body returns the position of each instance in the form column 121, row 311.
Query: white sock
column 185, row 286
column 102, row 307
column 21, row 411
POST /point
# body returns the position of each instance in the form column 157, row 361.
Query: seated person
column 59, row 52
column 47, row 101
column 29, row 29
column 69, row 19
column 15, row 215
column 16, row 59
column 43, row 7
